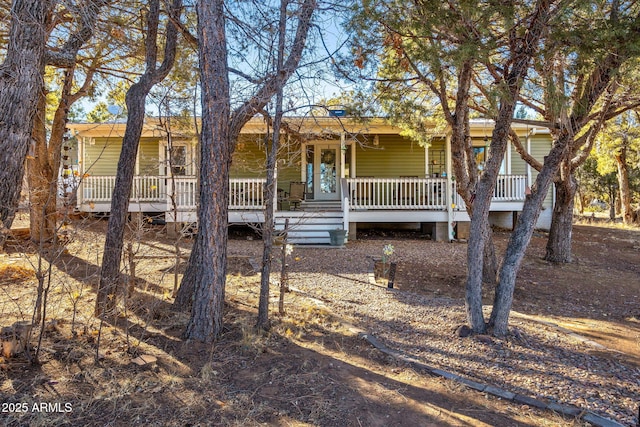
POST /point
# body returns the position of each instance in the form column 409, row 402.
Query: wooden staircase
column 311, row 224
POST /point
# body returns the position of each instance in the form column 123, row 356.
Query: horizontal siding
column 540, row 147
column 394, row 156
column 101, row 156
column 518, row 166
column 286, row 175
column 289, row 163
column 148, row 154
column 249, row 159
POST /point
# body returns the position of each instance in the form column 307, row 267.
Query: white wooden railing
column 397, row 193
column 185, row 191
column 510, row 188
column 358, row 193
column 244, row 193
column 144, row 189
column 423, row 193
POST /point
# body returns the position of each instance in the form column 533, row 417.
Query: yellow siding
column 249, row 159
column 101, row 156
column 149, row 156
column 286, row 175
column 518, row 166
column 394, row 156
column 540, row 147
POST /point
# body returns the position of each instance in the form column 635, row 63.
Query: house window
column 309, row 159
column 178, row 160
column 480, row 154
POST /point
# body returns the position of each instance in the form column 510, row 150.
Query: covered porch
column 162, row 193
column 363, row 200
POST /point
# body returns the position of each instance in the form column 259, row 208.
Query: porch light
column 376, row 140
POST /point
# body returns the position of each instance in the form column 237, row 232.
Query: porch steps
column 309, row 227
column 321, row 205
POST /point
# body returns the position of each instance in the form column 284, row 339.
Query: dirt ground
column 597, row 295
column 310, row 369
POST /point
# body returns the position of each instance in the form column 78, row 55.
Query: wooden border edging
column 567, row 410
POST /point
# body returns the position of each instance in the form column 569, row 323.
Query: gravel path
column 537, row 360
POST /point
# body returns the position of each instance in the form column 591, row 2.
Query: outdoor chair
column 296, row 194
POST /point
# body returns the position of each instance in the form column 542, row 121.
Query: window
column 178, row 160
column 480, row 153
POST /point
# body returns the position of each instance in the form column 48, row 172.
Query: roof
column 305, row 125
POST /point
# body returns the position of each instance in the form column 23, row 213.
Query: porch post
column 343, row 150
column 352, row 166
column 275, row 193
column 529, row 152
column 426, row 161
column 449, row 190
column 80, row 177
column 303, row 163
column 507, row 160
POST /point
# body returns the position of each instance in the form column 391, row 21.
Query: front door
column 326, row 172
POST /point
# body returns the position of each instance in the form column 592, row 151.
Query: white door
column 326, row 172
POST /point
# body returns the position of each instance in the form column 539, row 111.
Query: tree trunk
column 623, row 184
column 186, row 291
column 559, row 242
column 208, row 260
column 215, row 102
column 41, row 179
column 110, row 272
column 489, row 259
column 135, row 100
column 43, row 168
column 21, row 83
column 520, row 238
column 267, row 238
column 270, row 188
column 475, row 252
column 613, row 196
column 480, row 229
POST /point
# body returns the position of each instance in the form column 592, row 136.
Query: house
column 350, row 175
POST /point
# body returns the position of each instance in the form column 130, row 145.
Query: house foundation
column 440, row 232
column 353, row 234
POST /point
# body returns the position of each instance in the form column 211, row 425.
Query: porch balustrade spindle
column 363, row 193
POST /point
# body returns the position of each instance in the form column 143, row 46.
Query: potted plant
column 337, row 237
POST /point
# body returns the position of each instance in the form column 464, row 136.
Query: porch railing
column 397, row 193
column 423, row 193
column 144, row 189
column 244, row 193
column 247, row 193
column 185, row 191
column 510, row 188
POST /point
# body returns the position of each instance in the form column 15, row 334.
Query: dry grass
column 309, row 369
column 15, row 273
